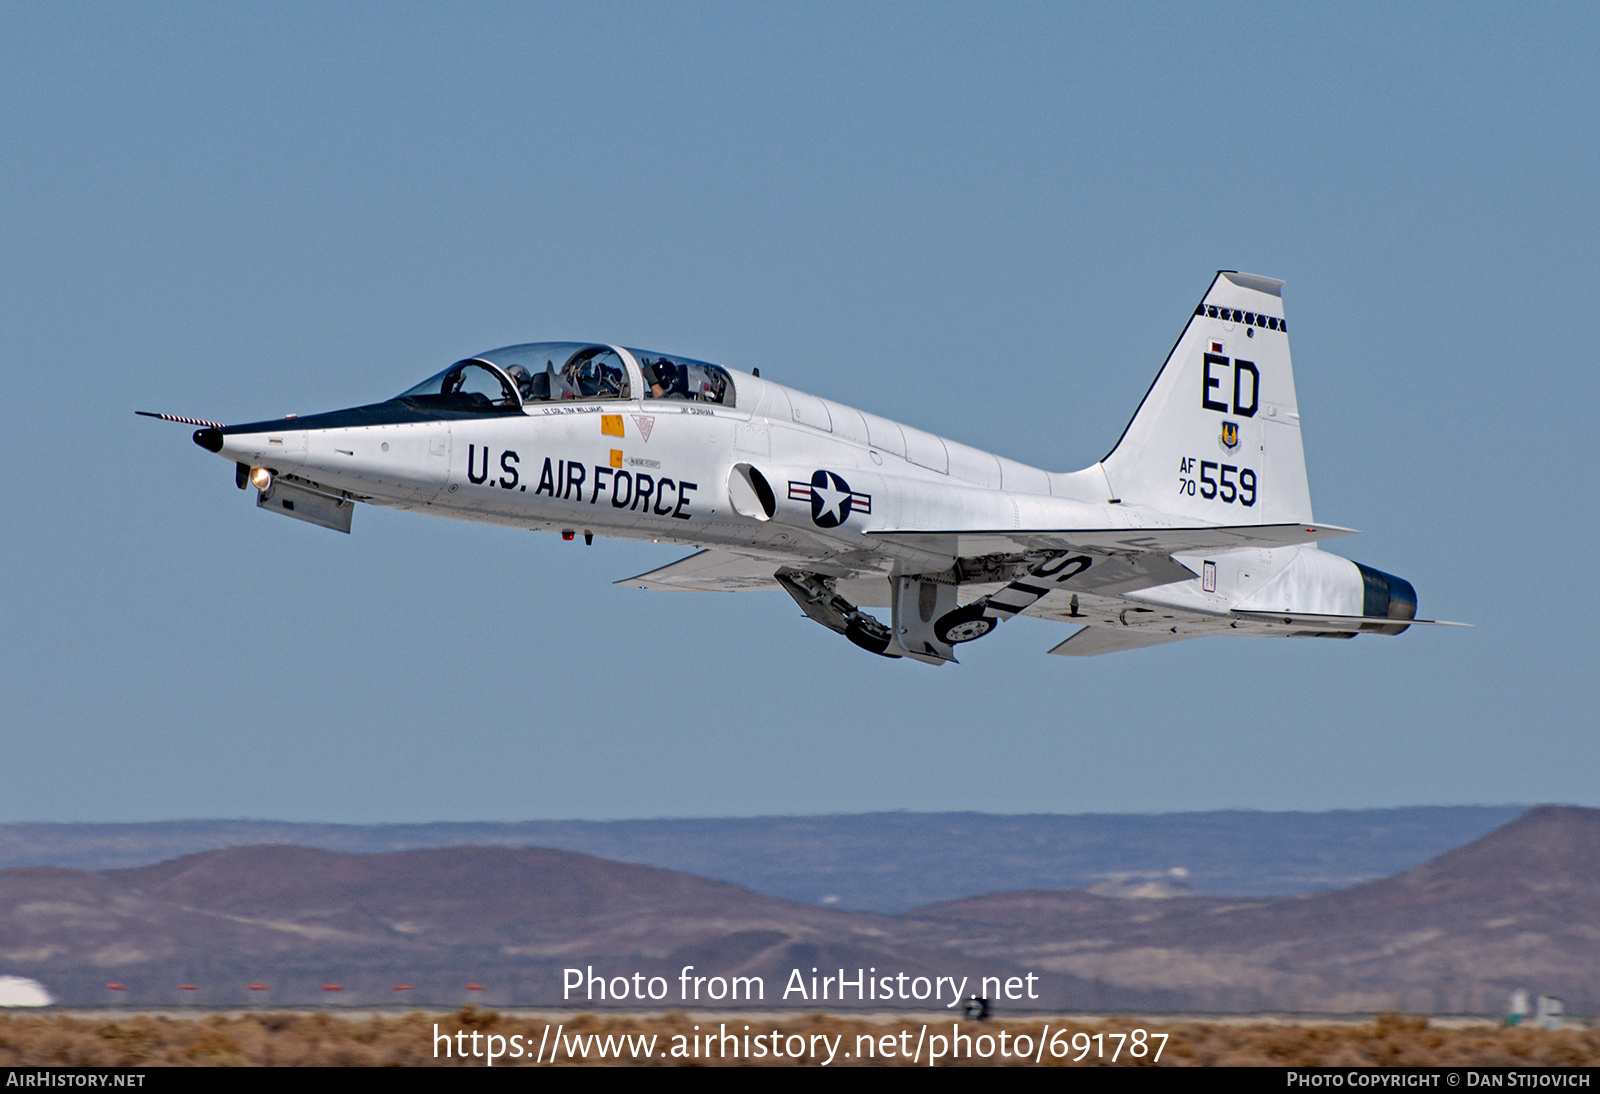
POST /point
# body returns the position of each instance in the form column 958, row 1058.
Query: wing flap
column 1093, row 641
column 709, row 572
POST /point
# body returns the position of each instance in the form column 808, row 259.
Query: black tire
column 964, row 625
column 868, row 640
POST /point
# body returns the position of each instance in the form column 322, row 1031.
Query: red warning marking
column 117, row 987
column 402, row 987
column 188, row 987
column 333, row 987
column 258, row 987
column 474, row 987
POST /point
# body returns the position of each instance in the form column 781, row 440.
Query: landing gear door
column 918, row 603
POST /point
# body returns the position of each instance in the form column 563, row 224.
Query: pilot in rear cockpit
column 666, row 379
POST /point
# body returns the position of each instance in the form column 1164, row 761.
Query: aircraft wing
column 710, row 572
column 963, row 543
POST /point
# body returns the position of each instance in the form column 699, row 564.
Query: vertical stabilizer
column 1217, row 437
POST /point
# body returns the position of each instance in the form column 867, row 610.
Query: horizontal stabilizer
column 1341, row 622
column 1093, row 641
column 975, row 543
column 710, row 572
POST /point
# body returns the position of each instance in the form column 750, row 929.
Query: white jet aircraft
column 1198, row 522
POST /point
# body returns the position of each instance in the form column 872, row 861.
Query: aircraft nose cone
column 209, row 439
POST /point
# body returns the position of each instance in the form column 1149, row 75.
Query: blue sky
column 985, row 220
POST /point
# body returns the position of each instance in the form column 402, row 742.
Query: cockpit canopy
column 537, row 372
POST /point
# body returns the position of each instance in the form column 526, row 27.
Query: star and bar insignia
column 832, row 500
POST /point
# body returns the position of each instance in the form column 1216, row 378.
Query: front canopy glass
column 556, row 371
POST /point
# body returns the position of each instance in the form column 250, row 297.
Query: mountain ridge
column 1516, row 908
column 882, row 862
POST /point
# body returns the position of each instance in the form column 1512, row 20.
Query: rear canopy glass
column 668, row 377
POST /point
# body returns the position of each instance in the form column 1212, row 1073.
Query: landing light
column 261, row 478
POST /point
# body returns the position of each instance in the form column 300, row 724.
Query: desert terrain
column 283, row 926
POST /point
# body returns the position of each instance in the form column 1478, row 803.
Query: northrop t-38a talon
column 1198, row 522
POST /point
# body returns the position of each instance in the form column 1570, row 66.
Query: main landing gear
column 927, row 622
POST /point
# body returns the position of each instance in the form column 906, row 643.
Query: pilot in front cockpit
column 587, row 377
